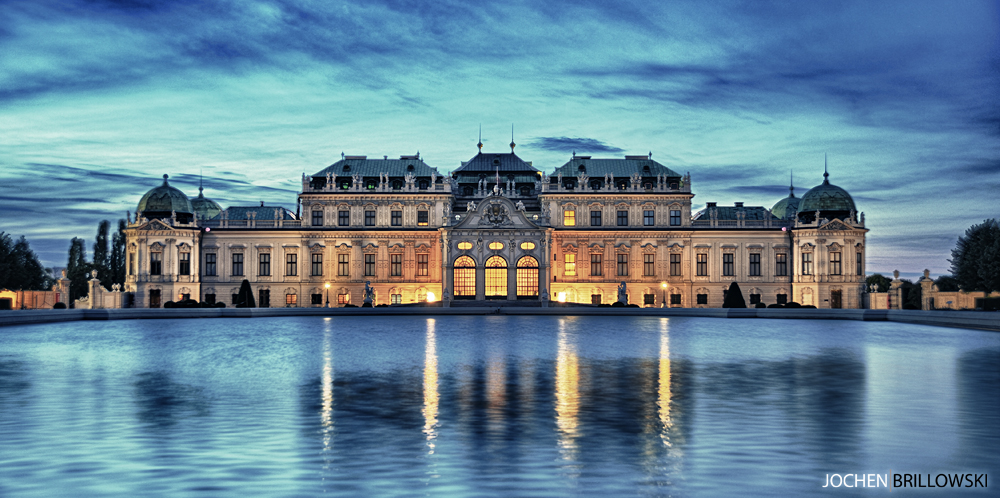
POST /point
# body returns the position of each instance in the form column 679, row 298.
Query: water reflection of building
column 498, row 228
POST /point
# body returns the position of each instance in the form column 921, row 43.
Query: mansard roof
column 616, row 167
column 729, row 213
column 488, row 162
column 262, row 213
column 361, row 165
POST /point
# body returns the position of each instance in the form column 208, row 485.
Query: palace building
column 497, row 228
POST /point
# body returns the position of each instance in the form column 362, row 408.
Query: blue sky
column 98, row 99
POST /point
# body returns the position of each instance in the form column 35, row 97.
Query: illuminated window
column 422, row 265
column 649, row 265
column 527, row 246
column 395, row 298
column 807, row 263
column 570, row 268
column 422, row 218
column 527, row 277
column 291, row 300
column 465, row 278
column 343, row 298
column 465, row 246
column 496, row 277
column 834, row 263
column 496, row 246
column 569, row 218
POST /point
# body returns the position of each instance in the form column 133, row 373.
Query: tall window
column 291, row 300
column 343, row 265
column 422, row 264
column 727, row 265
column 369, row 265
column 595, row 265
column 570, row 265
column 317, row 217
column 396, row 218
column 754, row 264
column 421, row 218
column 156, row 263
column 648, row 218
column 131, row 263
column 623, row 265
column 595, row 218
column 649, row 265
column 807, row 263
column 317, row 264
column 210, row 269
column 369, row 218
column 623, row 218
column 675, row 218
column 184, row 263
column 291, row 265
column 834, row 263
column 860, row 263
column 569, row 218
column 781, row 264
column 496, row 277
column 465, row 278
column 264, row 265
column 527, row 277
column 344, row 218
column 675, row 265
column 395, row 265
column 238, row 264
column 702, row 265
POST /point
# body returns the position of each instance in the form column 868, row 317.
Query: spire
column 165, row 178
column 826, row 174
column 512, row 144
column 791, row 184
column 480, row 144
column 201, row 181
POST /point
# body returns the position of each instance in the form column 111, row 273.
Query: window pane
column 422, row 218
column 569, row 218
column 754, row 265
column 595, row 265
column 317, row 217
column 781, row 264
column 807, row 265
column 675, row 265
column 395, row 265
column 317, row 264
column 595, row 218
column 570, row 264
column 702, row 265
column 184, row 263
column 237, row 264
column 210, row 269
column 527, row 277
column 291, row 265
column 649, row 265
column 648, row 218
column 465, row 277
column 422, row 264
column 623, row 265
column 343, row 265
column 623, row 218
column 344, row 218
column 155, row 263
column 396, row 218
column 496, row 277
column 369, row 265
column 369, row 218
column 727, row 265
column 264, row 265
column 675, row 218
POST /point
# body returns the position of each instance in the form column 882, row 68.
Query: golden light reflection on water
column 326, row 413
column 663, row 400
column 431, row 396
column 567, row 393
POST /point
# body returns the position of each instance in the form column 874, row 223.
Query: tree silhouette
column 734, row 297
column 975, row 260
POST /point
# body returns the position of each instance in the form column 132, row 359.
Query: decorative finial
column 791, row 184
column 512, row 144
column 480, row 144
column 165, row 178
column 826, row 174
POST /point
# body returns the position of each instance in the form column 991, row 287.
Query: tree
column 910, row 295
column 946, row 283
column 101, row 257
column 19, row 266
column 882, row 283
column 975, row 260
column 734, row 297
column 6, row 260
column 117, row 258
column 77, row 269
column 245, row 297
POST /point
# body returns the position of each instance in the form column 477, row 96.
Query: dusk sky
column 98, row 99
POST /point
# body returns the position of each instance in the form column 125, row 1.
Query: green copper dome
column 787, row 208
column 165, row 201
column 830, row 200
column 205, row 208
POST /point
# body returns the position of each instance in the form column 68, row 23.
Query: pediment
column 835, row 225
column 155, row 226
column 496, row 212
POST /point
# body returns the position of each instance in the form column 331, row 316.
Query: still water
column 489, row 406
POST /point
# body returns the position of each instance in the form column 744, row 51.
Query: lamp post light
column 328, row 294
column 664, row 285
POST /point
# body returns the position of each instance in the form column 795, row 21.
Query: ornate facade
column 497, row 228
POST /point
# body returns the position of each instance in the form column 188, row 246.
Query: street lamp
column 328, row 294
column 664, row 285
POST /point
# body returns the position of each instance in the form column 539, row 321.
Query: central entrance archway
column 527, row 278
column 496, row 278
column 465, row 278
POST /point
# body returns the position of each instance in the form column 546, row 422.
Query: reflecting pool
column 490, row 406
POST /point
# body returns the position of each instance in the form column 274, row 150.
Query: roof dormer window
column 582, row 169
column 347, row 168
column 496, row 161
column 409, row 167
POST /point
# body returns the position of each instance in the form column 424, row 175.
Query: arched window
column 527, row 277
column 496, row 277
column 465, row 278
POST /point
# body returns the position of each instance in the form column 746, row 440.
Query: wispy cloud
column 567, row 145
